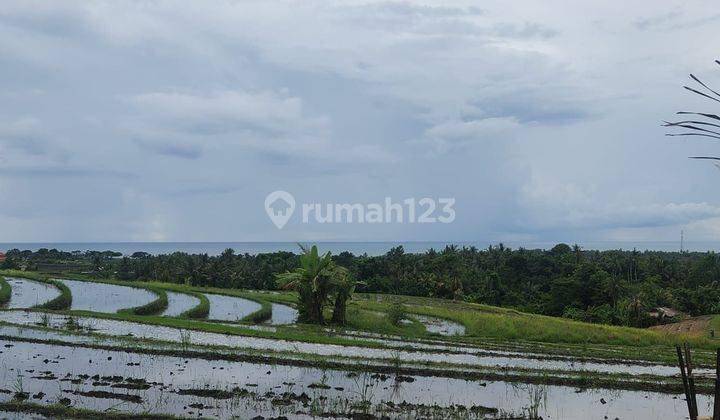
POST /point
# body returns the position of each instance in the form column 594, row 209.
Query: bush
column 574, row 313
column 396, row 312
column 5, row 291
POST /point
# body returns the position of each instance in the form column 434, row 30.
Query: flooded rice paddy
column 283, row 314
column 105, row 364
column 27, row 293
column 101, row 297
column 179, row 303
column 103, row 379
column 479, row 359
column 440, row 326
column 229, row 308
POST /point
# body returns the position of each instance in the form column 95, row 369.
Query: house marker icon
column 279, row 206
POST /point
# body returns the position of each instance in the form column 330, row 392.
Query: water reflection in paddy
column 229, row 308
column 28, row 293
column 60, row 371
column 137, row 330
column 440, row 326
column 283, row 314
column 101, row 297
column 179, row 303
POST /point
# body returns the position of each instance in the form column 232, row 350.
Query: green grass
column 5, row 291
column 155, row 307
column 61, row 411
column 374, row 321
column 482, row 321
column 714, row 326
column 201, row 310
column 261, row 315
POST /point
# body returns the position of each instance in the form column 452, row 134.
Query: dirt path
column 694, row 326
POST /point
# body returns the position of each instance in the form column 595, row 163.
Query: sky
column 172, row 121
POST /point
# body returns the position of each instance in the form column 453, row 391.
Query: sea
column 357, row 248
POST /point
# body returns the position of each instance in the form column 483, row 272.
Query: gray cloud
column 540, row 120
column 172, row 149
column 675, row 20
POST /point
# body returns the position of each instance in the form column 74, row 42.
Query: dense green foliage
column 317, row 280
column 5, row 291
column 613, row 287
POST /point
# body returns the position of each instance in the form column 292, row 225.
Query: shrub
column 396, row 312
column 5, row 291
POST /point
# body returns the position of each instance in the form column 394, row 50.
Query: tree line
column 616, row 287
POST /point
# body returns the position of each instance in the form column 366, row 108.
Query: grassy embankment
column 483, row 321
column 201, row 310
column 714, row 326
column 261, row 315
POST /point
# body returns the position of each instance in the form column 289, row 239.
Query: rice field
column 249, row 357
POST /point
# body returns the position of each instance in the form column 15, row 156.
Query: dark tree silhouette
column 698, row 124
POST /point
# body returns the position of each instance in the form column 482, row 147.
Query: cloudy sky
column 172, row 121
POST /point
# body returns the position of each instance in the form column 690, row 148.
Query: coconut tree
column 698, row 124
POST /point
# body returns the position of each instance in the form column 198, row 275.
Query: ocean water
column 358, row 248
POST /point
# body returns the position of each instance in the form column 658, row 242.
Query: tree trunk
column 315, row 315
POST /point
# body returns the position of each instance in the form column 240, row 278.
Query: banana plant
column 317, row 278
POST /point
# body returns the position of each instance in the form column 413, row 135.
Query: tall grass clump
column 153, row 308
column 261, row 315
column 396, row 312
column 5, row 291
column 200, row 311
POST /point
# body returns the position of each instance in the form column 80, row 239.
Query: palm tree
column 698, row 124
column 315, row 279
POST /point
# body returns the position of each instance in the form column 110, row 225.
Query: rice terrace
column 359, row 209
column 94, row 341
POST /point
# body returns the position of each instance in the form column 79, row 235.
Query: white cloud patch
column 448, row 135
